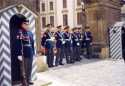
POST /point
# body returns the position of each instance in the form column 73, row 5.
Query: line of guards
column 65, row 44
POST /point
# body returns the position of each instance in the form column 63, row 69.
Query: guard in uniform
column 87, row 41
column 76, row 45
column 25, row 47
column 47, row 43
column 59, row 45
column 79, row 34
column 67, row 47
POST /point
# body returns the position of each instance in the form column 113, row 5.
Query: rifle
column 22, row 64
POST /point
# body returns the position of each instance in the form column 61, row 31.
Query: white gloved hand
column 63, row 42
column 91, row 44
column 78, row 44
column 20, row 58
column 52, row 38
column 34, row 56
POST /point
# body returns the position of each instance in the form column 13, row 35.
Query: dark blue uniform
column 79, row 34
column 60, row 48
column 87, row 41
column 49, row 45
column 76, row 46
column 25, row 48
column 67, row 47
column 28, row 43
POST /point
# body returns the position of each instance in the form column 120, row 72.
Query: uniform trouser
column 89, row 51
column 76, row 53
column 63, row 51
column 71, row 55
column 67, row 51
column 59, row 56
column 28, row 67
column 50, row 57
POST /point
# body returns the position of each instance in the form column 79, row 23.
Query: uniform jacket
column 59, row 39
column 25, row 43
column 67, row 38
column 75, row 39
column 46, row 42
column 87, row 38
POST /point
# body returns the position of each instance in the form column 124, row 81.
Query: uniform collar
column 22, row 29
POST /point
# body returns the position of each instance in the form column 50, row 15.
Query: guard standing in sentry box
column 24, row 49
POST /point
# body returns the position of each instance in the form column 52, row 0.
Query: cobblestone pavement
column 92, row 72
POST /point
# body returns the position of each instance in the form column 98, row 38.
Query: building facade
column 61, row 12
column 98, row 14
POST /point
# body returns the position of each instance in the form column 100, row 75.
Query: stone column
column 101, row 14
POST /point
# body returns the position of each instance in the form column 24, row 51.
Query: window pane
column 78, row 2
column 65, row 20
column 64, row 3
column 51, row 5
column 43, row 22
column 79, row 18
column 52, row 20
column 43, row 6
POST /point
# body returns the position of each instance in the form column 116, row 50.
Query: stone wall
column 31, row 4
column 101, row 14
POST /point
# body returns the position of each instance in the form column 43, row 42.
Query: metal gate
column 5, row 54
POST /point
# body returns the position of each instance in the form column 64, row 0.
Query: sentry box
column 6, row 59
column 116, row 40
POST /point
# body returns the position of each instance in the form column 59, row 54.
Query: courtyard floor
column 93, row 72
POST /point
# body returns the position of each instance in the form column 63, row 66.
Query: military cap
column 17, row 20
column 87, row 27
column 48, row 25
column 66, row 27
column 59, row 26
column 79, row 28
column 74, row 28
column 22, row 18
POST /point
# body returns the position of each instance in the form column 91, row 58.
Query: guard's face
column 67, row 30
column 79, row 30
column 76, row 30
column 59, row 29
column 50, row 26
column 87, row 29
column 25, row 25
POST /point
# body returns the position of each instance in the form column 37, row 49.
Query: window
column 79, row 18
column 52, row 20
column 65, row 19
column 78, row 2
column 43, row 6
column 64, row 3
column 51, row 5
column 43, row 22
